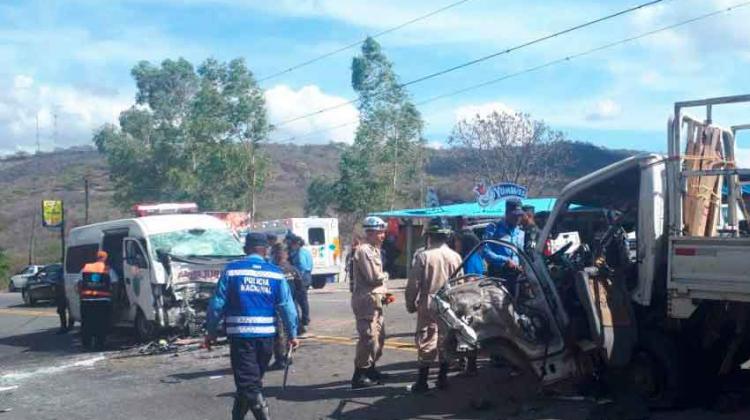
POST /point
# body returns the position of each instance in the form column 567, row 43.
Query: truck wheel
column 656, row 371
column 145, row 330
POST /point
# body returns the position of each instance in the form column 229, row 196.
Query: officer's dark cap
column 512, row 204
column 256, row 239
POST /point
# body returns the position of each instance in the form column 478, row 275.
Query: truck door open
column 516, row 315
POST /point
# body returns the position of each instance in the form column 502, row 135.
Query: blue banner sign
column 489, row 195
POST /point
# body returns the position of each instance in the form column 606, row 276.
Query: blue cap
column 255, row 239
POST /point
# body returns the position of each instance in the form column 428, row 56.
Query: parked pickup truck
column 644, row 298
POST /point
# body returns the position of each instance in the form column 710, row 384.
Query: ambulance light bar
column 141, row 210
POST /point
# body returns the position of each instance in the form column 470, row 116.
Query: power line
column 355, row 44
column 483, row 58
column 549, row 63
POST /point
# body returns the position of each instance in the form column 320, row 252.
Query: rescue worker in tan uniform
column 431, row 269
column 370, row 287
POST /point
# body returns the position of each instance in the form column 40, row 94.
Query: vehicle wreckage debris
column 174, row 346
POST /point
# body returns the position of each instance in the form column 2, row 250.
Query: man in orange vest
column 96, row 301
column 100, row 266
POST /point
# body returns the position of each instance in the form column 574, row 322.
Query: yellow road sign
column 52, row 213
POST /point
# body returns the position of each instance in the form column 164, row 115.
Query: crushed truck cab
column 658, row 289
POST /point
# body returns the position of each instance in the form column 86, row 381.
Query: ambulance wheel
column 319, row 282
column 145, row 330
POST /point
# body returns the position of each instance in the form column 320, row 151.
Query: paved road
column 46, row 376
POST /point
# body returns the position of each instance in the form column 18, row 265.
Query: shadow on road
column 492, row 394
column 45, row 341
column 189, row 376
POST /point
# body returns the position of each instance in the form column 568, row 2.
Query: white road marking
column 8, row 388
column 15, row 376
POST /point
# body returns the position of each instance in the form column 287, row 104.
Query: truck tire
column 145, row 330
column 657, row 371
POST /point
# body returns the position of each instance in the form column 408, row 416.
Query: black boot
column 260, row 408
column 240, row 408
column 360, row 379
column 442, row 380
column 421, row 385
column 375, row 375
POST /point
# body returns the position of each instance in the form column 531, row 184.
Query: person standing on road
column 502, row 261
column 96, row 291
column 370, row 287
column 530, row 229
column 66, row 323
column 303, row 261
column 280, row 257
column 432, row 268
column 248, row 295
column 356, row 242
column 465, row 242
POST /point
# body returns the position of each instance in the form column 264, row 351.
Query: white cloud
column 78, row 113
column 285, row 103
column 605, row 109
column 468, row 112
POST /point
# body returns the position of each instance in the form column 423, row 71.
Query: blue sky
column 72, row 59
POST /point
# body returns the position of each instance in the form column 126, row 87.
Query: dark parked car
column 42, row 285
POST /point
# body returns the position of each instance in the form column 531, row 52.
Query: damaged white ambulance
column 165, row 268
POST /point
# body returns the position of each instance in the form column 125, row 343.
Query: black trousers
column 302, row 299
column 96, row 320
column 250, row 358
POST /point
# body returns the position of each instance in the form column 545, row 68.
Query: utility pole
column 54, row 132
column 31, row 238
column 33, row 213
column 86, row 195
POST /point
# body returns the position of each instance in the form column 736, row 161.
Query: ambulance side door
column 137, row 272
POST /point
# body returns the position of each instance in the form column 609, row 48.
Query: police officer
column 302, row 259
column 502, row 261
column 432, row 268
column 280, row 257
column 248, row 295
column 370, row 287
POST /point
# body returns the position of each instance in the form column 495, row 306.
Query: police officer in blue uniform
column 249, row 294
column 502, row 261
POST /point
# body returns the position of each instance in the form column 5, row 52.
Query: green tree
column 4, row 265
column 320, row 194
column 388, row 137
column 379, row 168
column 189, row 132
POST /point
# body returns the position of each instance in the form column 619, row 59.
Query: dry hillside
column 26, row 180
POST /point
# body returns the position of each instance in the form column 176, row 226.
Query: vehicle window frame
column 310, row 235
column 74, row 262
column 131, row 258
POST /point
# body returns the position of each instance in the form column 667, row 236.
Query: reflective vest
column 253, row 292
column 95, row 282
